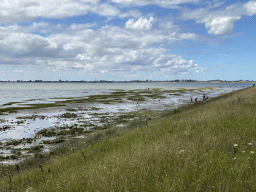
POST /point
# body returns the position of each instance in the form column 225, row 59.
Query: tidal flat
column 29, row 128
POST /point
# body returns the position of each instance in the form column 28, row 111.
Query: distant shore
column 133, row 81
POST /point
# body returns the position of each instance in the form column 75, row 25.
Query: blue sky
column 127, row 39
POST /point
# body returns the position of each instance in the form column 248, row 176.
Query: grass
column 209, row 146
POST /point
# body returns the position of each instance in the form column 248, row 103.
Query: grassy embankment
column 208, row 147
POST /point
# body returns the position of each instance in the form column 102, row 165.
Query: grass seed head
column 17, row 167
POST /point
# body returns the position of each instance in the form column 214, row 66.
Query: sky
column 127, row 40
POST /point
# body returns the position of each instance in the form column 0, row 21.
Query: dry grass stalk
column 18, row 169
column 41, row 169
column 83, row 155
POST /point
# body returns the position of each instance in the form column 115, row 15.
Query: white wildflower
column 252, row 152
column 29, row 189
column 243, row 151
column 249, row 143
column 235, row 145
column 235, row 158
column 181, row 151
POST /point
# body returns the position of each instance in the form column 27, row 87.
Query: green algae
column 35, row 148
column 14, row 142
column 205, row 88
column 10, row 103
column 16, row 152
column 47, row 132
column 68, row 115
column 29, row 106
column 28, row 140
column 55, row 141
column 117, row 96
column 71, row 110
column 5, row 127
column 31, row 117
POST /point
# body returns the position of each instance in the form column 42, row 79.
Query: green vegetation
column 205, row 88
column 35, row 148
column 47, row 132
column 5, row 127
column 71, row 110
column 117, row 97
column 57, row 140
column 68, row 115
column 29, row 106
column 16, row 152
column 29, row 140
column 10, row 103
column 31, row 117
column 208, row 146
column 14, row 142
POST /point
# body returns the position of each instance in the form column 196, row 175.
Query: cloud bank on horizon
column 126, row 39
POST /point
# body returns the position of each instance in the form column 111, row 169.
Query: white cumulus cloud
column 221, row 25
column 221, row 21
column 162, row 3
column 141, row 23
column 250, row 8
column 27, row 10
column 106, row 51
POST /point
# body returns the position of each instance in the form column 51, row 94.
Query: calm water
column 22, row 92
column 45, row 92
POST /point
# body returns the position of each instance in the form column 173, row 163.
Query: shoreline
column 56, row 133
column 57, row 146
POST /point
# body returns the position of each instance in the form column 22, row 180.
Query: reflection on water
column 44, row 93
column 29, row 127
column 21, row 92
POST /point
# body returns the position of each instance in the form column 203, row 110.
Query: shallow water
column 38, row 92
column 44, row 92
column 30, row 126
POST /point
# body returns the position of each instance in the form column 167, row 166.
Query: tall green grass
column 209, row 146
